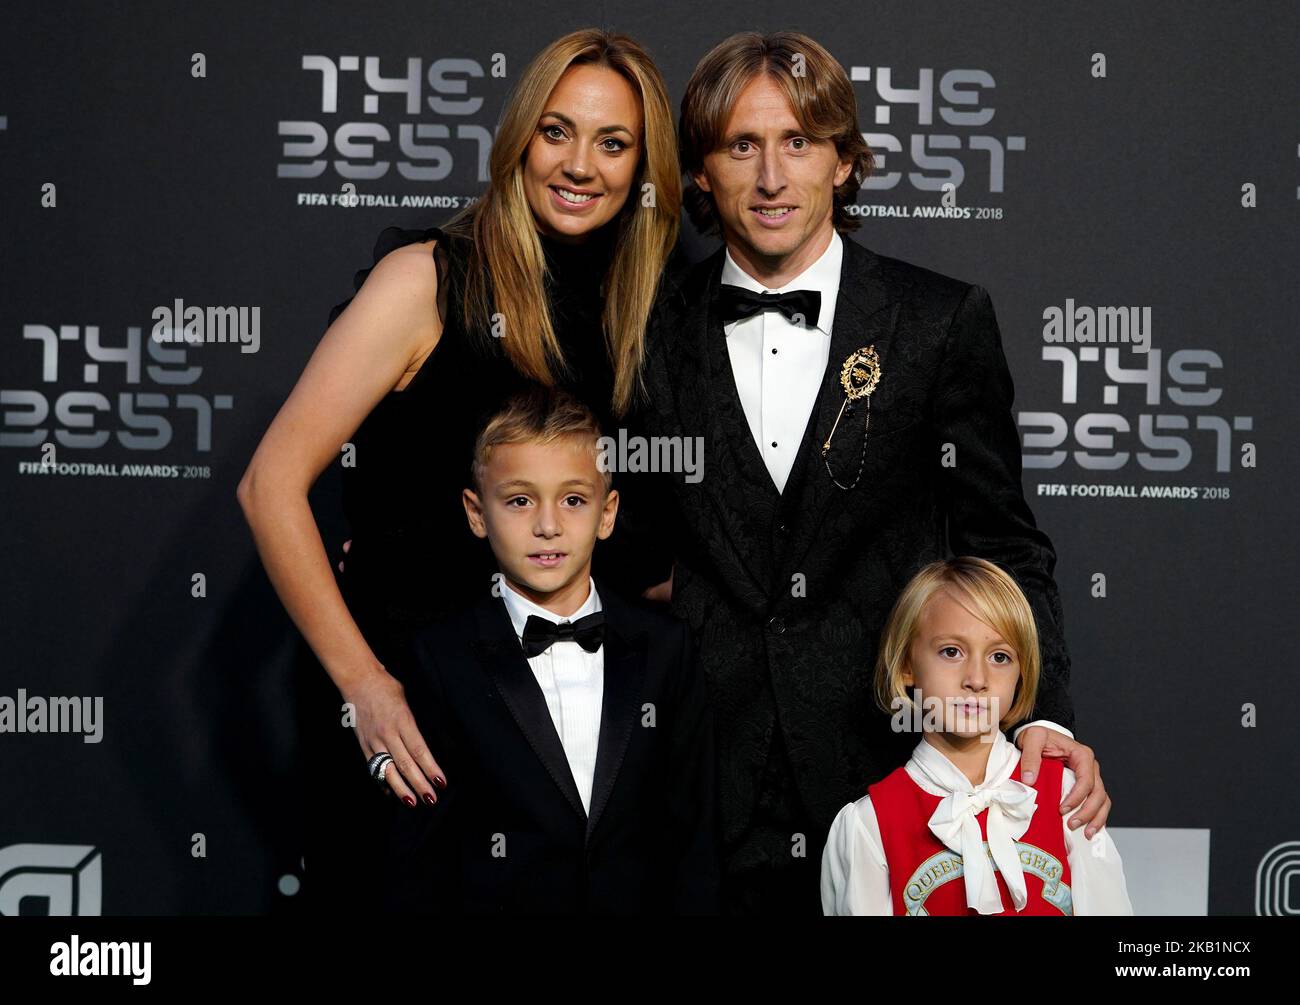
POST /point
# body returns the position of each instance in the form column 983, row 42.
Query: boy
column 573, row 728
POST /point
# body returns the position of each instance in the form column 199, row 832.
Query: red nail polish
column 430, row 798
column 440, row 782
column 409, row 801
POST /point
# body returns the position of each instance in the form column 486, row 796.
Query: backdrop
column 1124, row 164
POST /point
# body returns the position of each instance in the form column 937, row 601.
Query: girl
column 549, row 278
column 955, row 831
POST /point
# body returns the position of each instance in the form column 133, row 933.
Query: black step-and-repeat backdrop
column 1123, row 178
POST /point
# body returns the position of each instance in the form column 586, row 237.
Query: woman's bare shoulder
column 397, row 305
column 411, row 269
column 403, row 286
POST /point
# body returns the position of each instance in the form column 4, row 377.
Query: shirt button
column 774, row 443
column 774, row 351
column 777, row 626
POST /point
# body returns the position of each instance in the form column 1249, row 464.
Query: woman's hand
column 384, row 722
column 661, row 593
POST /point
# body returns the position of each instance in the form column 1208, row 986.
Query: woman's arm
column 387, row 330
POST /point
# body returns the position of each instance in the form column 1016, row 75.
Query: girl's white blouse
column 855, row 875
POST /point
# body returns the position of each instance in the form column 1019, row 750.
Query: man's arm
column 1047, row 723
column 987, row 513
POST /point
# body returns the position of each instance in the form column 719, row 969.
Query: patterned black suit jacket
column 787, row 593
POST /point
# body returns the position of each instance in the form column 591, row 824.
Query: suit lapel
column 624, row 653
column 735, row 478
column 620, row 709
column 503, row 659
column 866, row 313
column 729, row 411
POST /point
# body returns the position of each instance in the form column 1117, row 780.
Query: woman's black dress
column 412, row 555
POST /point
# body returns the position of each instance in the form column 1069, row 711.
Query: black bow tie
column 539, row 633
column 800, row 306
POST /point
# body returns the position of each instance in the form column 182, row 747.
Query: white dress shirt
column 855, row 873
column 572, row 681
column 779, row 365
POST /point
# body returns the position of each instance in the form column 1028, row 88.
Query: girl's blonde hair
column 989, row 594
column 506, row 246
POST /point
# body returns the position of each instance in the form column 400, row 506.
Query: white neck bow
column 1010, row 805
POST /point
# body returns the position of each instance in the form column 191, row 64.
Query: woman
column 442, row 327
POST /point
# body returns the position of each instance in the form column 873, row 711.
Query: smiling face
column 959, row 659
column 583, row 157
column 542, row 508
column 772, row 185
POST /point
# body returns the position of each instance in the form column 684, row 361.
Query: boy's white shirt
column 855, row 874
column 572, row 681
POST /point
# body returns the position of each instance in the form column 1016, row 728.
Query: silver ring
column 378, row 764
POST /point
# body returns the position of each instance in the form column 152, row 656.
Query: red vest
column 926, row 877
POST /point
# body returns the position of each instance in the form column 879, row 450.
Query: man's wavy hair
column 820, row 95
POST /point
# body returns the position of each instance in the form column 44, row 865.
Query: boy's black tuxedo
column 787, row 592
column 509, row 833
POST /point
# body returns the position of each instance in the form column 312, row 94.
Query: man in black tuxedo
column 573, row 727
column 814, row 510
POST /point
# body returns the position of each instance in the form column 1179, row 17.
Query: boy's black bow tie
column 539, row 633
column 800, row 306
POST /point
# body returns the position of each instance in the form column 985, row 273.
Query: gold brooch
column 858, row 376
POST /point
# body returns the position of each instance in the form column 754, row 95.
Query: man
column 814, row 509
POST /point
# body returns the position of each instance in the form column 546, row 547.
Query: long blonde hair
column 507, row 263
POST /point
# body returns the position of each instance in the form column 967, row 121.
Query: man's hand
column 1036, row 742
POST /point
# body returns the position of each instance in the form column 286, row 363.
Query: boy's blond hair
column 989, row 594
column 537, row 415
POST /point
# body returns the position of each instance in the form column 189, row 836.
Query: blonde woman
column 548, row 278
